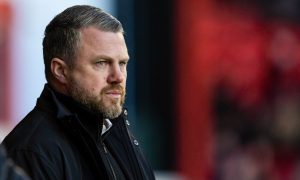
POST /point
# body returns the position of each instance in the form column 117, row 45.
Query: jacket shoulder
column 36, row 144
column 34, row 131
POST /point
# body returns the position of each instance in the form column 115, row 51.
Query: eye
column 123, row 63
column 101, row 63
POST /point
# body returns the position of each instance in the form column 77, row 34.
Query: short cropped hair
column 62, row 34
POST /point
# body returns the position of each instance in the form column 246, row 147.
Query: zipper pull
column 105, row 149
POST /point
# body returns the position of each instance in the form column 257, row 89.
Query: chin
column 113, row 106
column 112, row 112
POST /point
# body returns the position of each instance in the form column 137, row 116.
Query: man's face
column 98, row 78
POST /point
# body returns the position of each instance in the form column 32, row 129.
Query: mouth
column 113, row 94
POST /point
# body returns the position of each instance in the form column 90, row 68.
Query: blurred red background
column 5, row 28
column 239, row 84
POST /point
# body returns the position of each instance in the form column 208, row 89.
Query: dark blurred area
column 148, row 25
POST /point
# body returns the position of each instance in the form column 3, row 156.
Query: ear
column 59, row 70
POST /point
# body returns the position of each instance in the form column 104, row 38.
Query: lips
column 113, row 93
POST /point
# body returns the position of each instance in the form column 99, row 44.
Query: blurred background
column 213, row 85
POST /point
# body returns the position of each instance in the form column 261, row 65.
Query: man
column 78, row 128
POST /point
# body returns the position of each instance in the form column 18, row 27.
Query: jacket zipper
column 106, row 153
column 108, row 161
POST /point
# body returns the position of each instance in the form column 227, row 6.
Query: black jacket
column 61, row 139
column 8, row 170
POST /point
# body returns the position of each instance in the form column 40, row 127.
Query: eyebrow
column 109, row 58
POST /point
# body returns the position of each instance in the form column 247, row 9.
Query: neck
column 59, row 87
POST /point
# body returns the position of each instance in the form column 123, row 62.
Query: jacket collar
column 49, row 103
column 66, row 108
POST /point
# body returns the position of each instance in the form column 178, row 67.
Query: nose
column 116, row 75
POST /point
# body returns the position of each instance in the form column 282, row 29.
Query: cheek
column 95, row 85
column 99, row 83
column 98, row 78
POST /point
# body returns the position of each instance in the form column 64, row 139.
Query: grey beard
column 86, row 98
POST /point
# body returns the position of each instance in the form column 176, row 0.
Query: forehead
column 95, row 42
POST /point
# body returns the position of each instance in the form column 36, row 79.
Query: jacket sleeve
column 8, row 169
column 37, row 166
